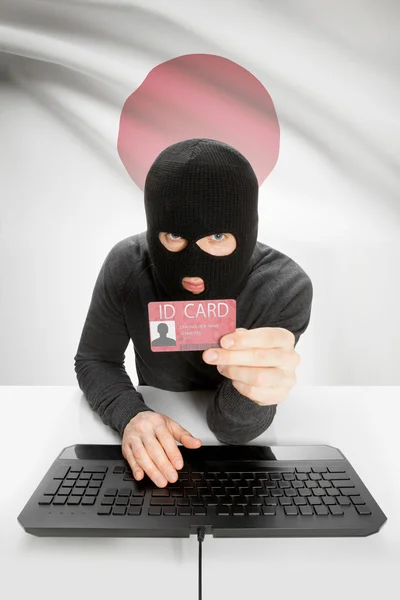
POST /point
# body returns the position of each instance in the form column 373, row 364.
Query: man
column 201, row 200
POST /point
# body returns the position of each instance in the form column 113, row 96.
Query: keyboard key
column 319, row 469
column 247, row 476
column 134, row 510
column 305, row 492
column 88, row 501
column 312, row 484
column 118, row 510
column 253, row 511
column 319, row 492
column 119, row 470
column 350, row 492
column 270, row 502
column 342, row 484
column 124, row 492
column 238, row 510
column 64, row 491
column 73, row 500
column 316, row 500
column 104, row 510
column 303, row 469
column 275, row 477
column 122, row 501
column 356, row 499
column 169, row 511
column 162, row 502
column 75, row 469
column 72, row 476
column 223, row 510
column 291, row 510
column 321, row 510
column 186, row 502
column 52, row 488
column 337, row 476
column 332, row 492
column 61, row 473
column 184, row 511
column 45, row 500
column 315, row 476
column 238, row 476
column 78, row 492
column 268, row 510
column 199, row 511
column 307, row 510
column 91, row 492
column 197, row 502
column 111, row 492
column 336, row 510
column 155, row 511
column 301, row 476
column 284, row 485
column 285, row 501
column 300, row 501
column 85, row 476
column 98, row 476
column 107, row 501
column 337, row 469
column 160, row 492
column 289, row 476
column 328, row 500
column 81, row 484
column 363, row 510
column 95, row 484
column 344, row 500
column 136, row 501
column 59, row 500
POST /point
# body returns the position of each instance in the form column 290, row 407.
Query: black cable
column 200, row 536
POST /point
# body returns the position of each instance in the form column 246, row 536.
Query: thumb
column 183, row 436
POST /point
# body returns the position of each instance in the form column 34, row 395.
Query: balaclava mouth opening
column 196, row 188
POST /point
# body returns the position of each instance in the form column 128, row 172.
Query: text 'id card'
column 190, row 324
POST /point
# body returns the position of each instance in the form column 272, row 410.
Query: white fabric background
column 331, row 203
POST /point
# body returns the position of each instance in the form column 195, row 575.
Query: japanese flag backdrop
column 91, row 91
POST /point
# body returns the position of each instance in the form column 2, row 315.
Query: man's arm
column 234, row 418
column 99, row 362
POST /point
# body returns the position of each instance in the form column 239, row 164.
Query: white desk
column 362, row 422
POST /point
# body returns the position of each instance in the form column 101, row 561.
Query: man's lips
column 193, row 284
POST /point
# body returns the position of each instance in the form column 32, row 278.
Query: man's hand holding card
column 261, row 362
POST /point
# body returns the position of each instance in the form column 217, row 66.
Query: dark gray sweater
column 278, row 294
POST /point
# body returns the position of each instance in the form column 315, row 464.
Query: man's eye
column 217, row 234
column 176, row 236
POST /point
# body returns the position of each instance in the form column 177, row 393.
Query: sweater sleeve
column 100, row 358
column 234, row 418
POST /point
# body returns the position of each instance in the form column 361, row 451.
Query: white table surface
column 362, row 422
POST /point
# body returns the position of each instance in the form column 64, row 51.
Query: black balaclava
column 197, row 188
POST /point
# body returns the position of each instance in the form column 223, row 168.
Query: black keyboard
column 297, row 491
column 84, row 497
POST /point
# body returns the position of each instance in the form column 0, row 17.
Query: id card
column 190, row 324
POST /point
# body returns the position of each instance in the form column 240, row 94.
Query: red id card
column 190, row 324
